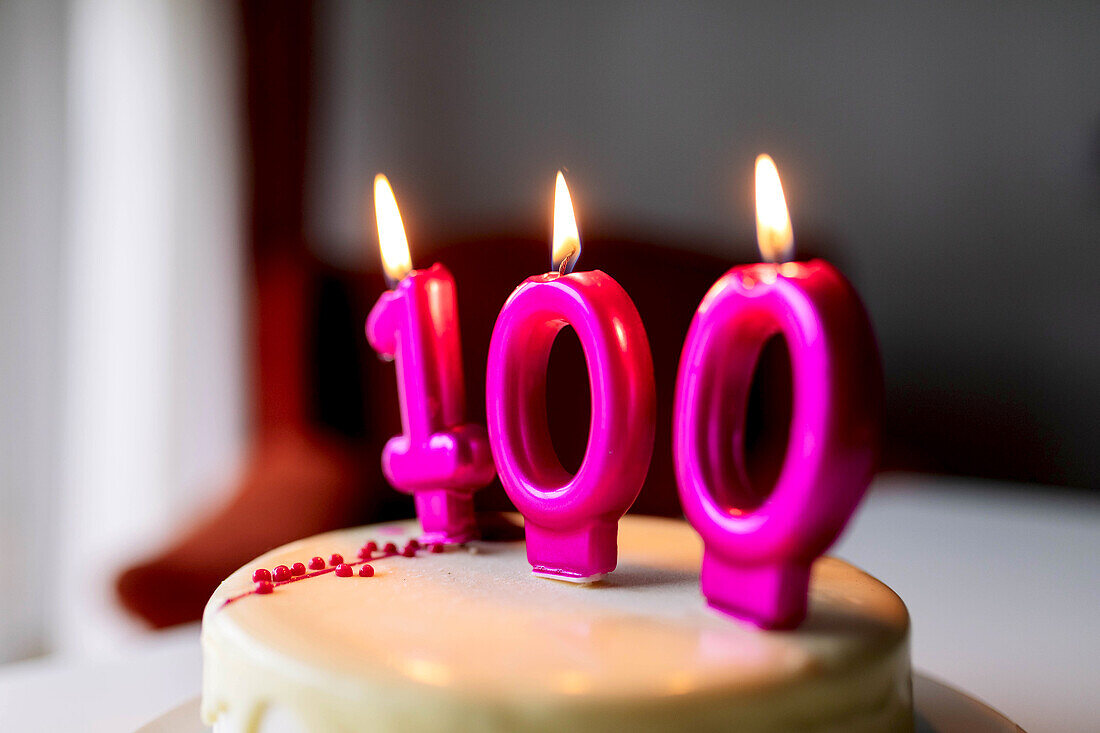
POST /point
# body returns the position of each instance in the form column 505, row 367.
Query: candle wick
column 564, row 268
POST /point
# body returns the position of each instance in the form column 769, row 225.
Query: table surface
column 1002, row 581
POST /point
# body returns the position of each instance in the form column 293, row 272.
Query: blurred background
column 187, row 252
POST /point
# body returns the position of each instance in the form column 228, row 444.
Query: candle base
column 579, row 580
column 579, row 555
column 446, row 516
column 767, row 596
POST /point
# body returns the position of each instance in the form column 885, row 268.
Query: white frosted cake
column 465, row 638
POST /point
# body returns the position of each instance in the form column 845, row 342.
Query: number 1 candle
column 571, row 521
column 757, row 556
column 439, row 458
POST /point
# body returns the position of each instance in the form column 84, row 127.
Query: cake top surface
column 475, row 619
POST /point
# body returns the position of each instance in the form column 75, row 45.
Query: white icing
column 273, row 719
column 464, row 641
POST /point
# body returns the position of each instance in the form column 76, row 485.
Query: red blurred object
column 323, row 405
column 299, row 477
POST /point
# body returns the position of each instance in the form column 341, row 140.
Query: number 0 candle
column 571, row 520
column 757, row 556
column 439, row 458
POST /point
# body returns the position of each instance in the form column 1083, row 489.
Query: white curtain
column 128, row 312
column 31, row 196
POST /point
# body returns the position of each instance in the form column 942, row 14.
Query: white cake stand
column 940, row 709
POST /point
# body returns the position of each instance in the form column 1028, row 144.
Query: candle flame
column 567, row 241
column 391, row 232
column 773, row 224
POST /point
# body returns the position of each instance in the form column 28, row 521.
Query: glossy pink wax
column 571, row 520
column 439, row 458
column 756, row 562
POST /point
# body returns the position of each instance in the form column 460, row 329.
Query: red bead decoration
column 372, row 546
column 336, row 559
column 437, row 547
column 414, row 543
column 264, row 587
column 282, row 573
column 317, row 563
column 390, row 548
column 297, row 569
column 366, row 571
column 261, row 574
column 409, row 551
column 343, row 570
column 365, row 552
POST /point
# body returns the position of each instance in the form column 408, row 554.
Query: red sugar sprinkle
column 297, row 569
column 317, row 563
column 261, row 574
column 343, row 569
column 409, row 551
column 282, row 573
column 336, row 559
column 366, row 571
column 264, row 587
column 437, row 547
column 390, row 548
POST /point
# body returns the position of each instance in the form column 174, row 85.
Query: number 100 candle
column 757, row 556
column 571, row 521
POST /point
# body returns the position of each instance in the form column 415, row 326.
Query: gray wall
column 947, row 156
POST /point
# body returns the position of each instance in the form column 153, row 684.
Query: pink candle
column 757, row 558
column 571, row 520
column 439, row 458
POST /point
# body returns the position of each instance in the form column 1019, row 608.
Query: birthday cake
column 727, row 624
column 368, row 629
